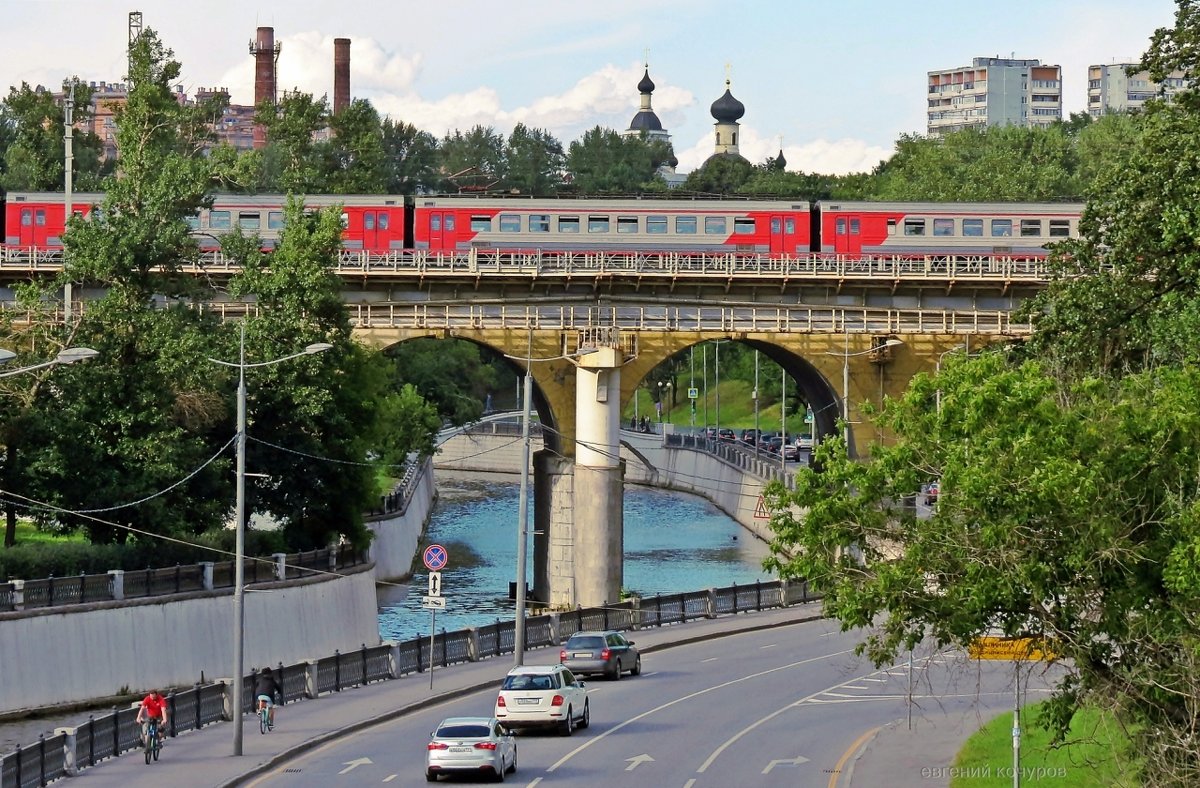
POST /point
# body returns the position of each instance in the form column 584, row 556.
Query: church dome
column 647, row 84
column 727, row 109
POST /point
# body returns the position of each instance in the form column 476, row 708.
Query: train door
column 371, row 221
column 847, row 234
column 25, row 234
column 783, row 233
column 442, row 234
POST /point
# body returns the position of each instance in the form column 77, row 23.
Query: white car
column 470, row 745
column 534, row 696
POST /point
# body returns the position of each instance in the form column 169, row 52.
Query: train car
column 37, row 219
column 371, row 222
column 450, row 224
column 918, row 229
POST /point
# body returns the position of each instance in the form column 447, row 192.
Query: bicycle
column 264, row 717
column 152, row 745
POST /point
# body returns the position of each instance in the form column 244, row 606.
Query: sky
column 832, row 84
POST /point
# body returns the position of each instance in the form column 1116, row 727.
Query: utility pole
column 68, row 174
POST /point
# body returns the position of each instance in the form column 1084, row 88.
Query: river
column 673, row 542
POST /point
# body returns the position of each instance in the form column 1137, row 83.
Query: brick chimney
column 341, row 74
column 265, row 50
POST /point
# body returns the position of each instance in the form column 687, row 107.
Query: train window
column 891, row 226
column 841, row 226
column 598, row 224
column 383, row 221
column 250, row 221
column 789, row 226
column 914, row 226
column 1001, row 227
column 1031, row 228
column 448, row 223
column 1060, row 228
column 481, row 224
column 435, row 223
column 193, row 222
column 219, row 220
column 539, row 223
column 26, row 217
column 656, row 225
column 274, row 220
column 714, row 225
column 743, row 226
column 775, row 225
column 685, row 225
column 943, row 227
column 627, row 224
column 510, row 223
column 345, row 220
column 973, row 227
column 368, row 220
column 568, row 224
column 40, row 217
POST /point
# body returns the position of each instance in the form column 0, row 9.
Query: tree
column 410, row 158
column 473, row 161
column 354, row 156
column 723, row 174
column 534, row 161
column 603, row 161
column 451, row 374
column 293, row 159
column 33, row 153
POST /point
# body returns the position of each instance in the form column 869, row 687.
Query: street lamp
column 846, row 356
column 523, row 505
column 239, row 606
column 67, row 356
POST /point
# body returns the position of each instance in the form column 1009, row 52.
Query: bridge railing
column 118, row 732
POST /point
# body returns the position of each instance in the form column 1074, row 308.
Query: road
column 778, row 707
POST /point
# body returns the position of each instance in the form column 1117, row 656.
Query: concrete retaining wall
column 396, row 535
column 53, row 656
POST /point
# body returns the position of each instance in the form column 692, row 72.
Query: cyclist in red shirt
column 154, row 706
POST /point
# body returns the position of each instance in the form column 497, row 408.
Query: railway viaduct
column 846, row 330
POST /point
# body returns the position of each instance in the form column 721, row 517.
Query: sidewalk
column 894, row 756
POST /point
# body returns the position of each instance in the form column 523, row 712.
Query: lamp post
column 846, row 356
column 523, row 501
column 754, row 396
column 67, row 356
column 239, row 599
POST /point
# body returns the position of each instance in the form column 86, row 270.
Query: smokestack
column 341, row 74
column 265, row 50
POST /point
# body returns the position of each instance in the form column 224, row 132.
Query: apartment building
column 993, row 91
column 1119, row 88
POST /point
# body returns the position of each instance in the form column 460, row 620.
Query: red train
column 387, row 223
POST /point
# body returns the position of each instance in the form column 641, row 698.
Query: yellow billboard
column 1019, row 649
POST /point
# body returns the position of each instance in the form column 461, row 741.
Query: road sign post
column 435, row 558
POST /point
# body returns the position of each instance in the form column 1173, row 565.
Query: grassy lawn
column 27, row 532
column 1095, row 754
column 737, row 408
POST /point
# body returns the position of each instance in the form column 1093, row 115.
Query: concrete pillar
column 206, row 570
column 280, row 560
column 117, row 583
column 18, row 594
column 599, row 479
column 70, row 737
column 553, row 530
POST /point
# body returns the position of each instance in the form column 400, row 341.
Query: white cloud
column 827, row 157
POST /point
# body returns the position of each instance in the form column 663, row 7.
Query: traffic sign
column 1019, row 649
column 435, row 583
column 693, row 393
column 433, row 602
column 435, row 557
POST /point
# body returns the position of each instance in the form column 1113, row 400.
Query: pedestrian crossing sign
column 760, row 511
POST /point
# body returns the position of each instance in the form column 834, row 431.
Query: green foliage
column 724, row 174
column 31, row 142
column 474, row 160
column 604, row 161
column 451, row 374
column 293, row 159
column 534, row 161
column 354, row 156
column 410, row 158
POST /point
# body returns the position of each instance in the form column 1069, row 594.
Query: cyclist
column 266, row 688
column 154, row 707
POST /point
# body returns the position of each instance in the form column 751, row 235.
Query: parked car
column 727, row 435
column 470, row 745
column 607, row 652
column 750, row 437
column 931, row 493
column 773, row 444
column 535, row 696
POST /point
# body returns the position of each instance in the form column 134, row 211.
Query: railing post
column 473, row 644
column 337, row 670
column 280, row 565
column 82, row 587
column 41, row 759
column 783, row 592
column 50, row 590
column 171, row 729
column 206, row 574
column 178, row 587
column 312, row 684
column 18, row 594
column 92, row 740
column 364, row 663
column 735, row 599
column 757, row 595
column 711, row 604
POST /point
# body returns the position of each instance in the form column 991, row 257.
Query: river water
column 674, row 542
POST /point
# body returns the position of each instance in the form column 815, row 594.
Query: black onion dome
column 674, row 162
column 645, row 120
column 727, row 109
column 647, row 84
column 780, row 162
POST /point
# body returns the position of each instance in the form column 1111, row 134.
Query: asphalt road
column 779, row 707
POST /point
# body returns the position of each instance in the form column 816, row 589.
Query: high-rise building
column 1118, row 88
column 993, row 91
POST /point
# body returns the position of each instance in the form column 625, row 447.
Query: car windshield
column 586, row 642
column 463, row 732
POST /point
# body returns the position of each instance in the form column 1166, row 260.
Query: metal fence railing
column 110, row 735
column 138, row 583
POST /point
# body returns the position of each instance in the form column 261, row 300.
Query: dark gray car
column 607, row 653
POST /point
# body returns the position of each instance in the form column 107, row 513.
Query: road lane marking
column 710, row 659
column 691, row 696
column 769, row 645
column 354, row 764
column 390, row 777
column 637, row 761
column 799, row 759
column 859, row 743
